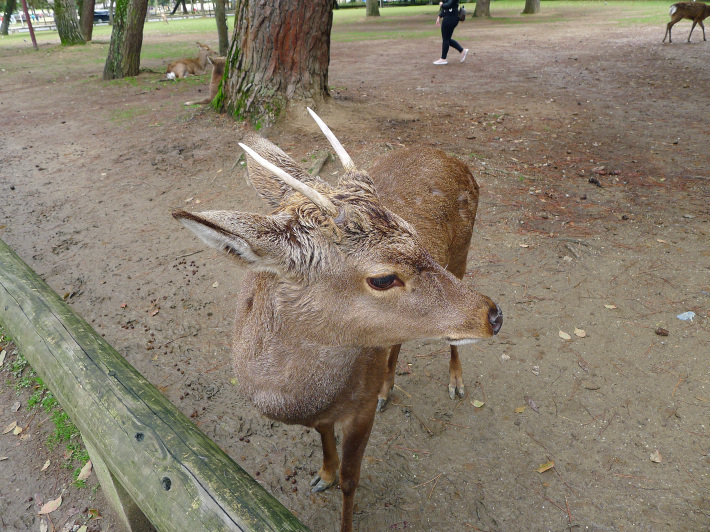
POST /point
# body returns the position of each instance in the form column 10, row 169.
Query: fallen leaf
column 46, row 465
column 580, row 332
column 660, row 240
column 546, row 466
column 610, row 306
column 51, row 506
column 82, row 529
column 2, row 356
column 524, row 245
column 155, row 312
column 94, row 513
column 531, row 403
column 215, row 285
column 85, row 471
column 17, row 430
column 43, row 526
column 3, row 458
column 10, row 427
column 660, row 331
column 520, row 410
column 565, row 336
column 477, row 403
column 16, row 406
column 656, row 456
column 124, row 305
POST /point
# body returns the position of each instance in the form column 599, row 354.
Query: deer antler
column 312, row 194
column 345, row 159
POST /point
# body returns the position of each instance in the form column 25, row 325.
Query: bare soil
column 589, row 142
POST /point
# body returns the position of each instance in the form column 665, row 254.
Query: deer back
column 434, row 192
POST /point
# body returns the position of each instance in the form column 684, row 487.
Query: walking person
column 448, row 19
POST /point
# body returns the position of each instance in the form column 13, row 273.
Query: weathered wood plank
column 177, row 476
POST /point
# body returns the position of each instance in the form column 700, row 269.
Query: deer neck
column 289, row 374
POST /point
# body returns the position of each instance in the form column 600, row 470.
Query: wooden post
column 178, row 477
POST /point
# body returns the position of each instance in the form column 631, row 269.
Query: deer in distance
column 695, row 11
column 217, row 73
column 191, row 67
column 336, row 276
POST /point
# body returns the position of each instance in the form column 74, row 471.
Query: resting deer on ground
column 694, row 11
column 217, row 73
column 336, row 277
column 191, row 67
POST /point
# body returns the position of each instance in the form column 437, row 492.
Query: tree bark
column 372, row 8
column 68, row 22
column 279, row 53
column 483, row 9
column 531, row 7
column 220, row 15
column 124, row 54
column 9, row 8
column 87, row 18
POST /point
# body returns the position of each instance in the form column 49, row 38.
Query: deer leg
column 703, row 27
column 326, row 477
column 455, row 375
column 356, row 433
column 668, row 32
column 388, row 384
column 691, row 30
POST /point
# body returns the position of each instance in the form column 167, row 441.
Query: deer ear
column 272, row 189
column 253, row 239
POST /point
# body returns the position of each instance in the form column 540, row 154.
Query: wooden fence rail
column 153, row 463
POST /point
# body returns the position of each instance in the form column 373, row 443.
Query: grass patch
column 64, row 433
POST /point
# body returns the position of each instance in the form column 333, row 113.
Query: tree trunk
column 9, row 8
column 68, row 23
column 280, row 52
column 87, row 18
column 372, row 8
column 124, row 53
column 531, row 7
column 220, row 15
column 483, row 9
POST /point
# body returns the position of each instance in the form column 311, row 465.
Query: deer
column 217, row 74
column 335, row 277
column 191, row 67
column 695, row 11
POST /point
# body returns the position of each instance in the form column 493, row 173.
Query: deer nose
column 495, row 317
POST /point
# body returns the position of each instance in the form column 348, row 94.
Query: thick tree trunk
column 483, row 9
column 280, row 52
column 372, row 8
column 67, row 22
column 87, row 18
column 124, row 53
column 220, row 15
column 531, row 7
column 9, row 8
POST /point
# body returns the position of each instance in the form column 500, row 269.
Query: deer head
column 347, row 271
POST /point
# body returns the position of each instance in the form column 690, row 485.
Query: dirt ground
column 589, row 142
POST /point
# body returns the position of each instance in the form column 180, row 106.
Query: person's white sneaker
column 463, row 54
column 441, row 62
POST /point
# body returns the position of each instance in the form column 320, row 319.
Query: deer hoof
column 318, row 484
column 456, row 391
column 381, row 404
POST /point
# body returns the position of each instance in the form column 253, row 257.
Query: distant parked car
column 101, row 15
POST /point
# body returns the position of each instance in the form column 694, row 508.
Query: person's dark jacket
column 449, row 8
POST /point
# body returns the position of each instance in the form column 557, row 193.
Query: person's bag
column 462, row 13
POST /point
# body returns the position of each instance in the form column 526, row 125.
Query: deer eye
column 385, row 282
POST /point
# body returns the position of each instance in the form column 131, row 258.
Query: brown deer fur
column 336, row 277
column 191, row 67
column 695, row 11
column 217, row 73
column 444, row 222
